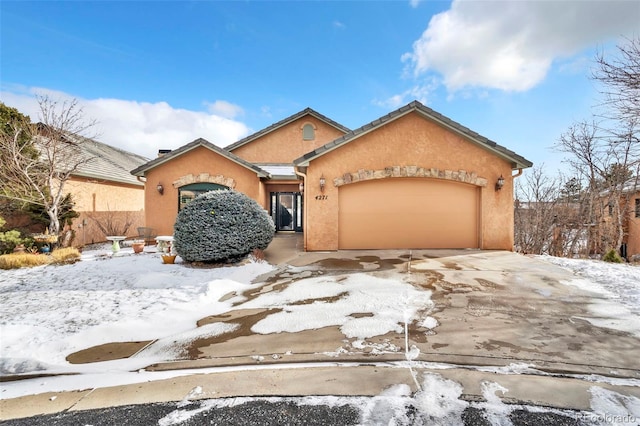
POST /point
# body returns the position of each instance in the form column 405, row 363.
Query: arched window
column 187, row 193
column 308, row 132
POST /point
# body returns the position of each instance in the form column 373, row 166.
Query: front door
column 286, row 211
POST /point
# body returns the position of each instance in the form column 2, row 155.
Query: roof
column 284, row 122
column 141, row 170
column 279, row 170
column 516, row 160
column 105, row 162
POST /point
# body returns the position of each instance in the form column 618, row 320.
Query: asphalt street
column 266, row 413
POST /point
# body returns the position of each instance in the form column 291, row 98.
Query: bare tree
column 547, row 214
column 40, row 178
column 535, row 211
column 620, row 78
column 605, row 155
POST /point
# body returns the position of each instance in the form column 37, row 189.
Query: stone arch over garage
column 411, row 171
column 204, row 178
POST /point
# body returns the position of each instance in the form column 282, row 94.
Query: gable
column 172, row 156
column 288, row 139
column 409, row 140
column 437, row 120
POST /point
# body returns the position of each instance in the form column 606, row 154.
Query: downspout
column 513, row 189
column 304, row 194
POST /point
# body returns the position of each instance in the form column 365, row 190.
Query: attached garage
column 408, row 213
column 410, row 179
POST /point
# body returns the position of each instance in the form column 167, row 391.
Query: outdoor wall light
column 160, row 188
column 499, row 183
column 323, row 182
column 301, row 187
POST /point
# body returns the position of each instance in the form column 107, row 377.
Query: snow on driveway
column 50, row 312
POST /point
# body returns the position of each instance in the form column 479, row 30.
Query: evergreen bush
column 10, row 239
column 220, row 226
column 612, row 256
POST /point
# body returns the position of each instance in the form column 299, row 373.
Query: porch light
column 499, row 183
column 323, row 182
column 301, row 187
column 160, row 188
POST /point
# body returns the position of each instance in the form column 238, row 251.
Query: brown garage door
column 408, row 213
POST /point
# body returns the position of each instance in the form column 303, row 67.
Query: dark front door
column 286, row 211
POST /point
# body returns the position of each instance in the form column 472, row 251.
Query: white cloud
column 420, row 92
column 142, row 127
column 414, row 3
column 511, row 45
column 224, row 109
column 340, row 25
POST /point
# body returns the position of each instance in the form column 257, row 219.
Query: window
column 637, row 207
column 188, row 193
column 308, row 132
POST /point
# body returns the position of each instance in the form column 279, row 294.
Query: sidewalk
column 312, row 379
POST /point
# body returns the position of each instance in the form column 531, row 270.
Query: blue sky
column 158, row 74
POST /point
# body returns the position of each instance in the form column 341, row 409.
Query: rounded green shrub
column 221, row 226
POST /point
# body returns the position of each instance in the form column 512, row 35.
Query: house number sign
column 322, row 197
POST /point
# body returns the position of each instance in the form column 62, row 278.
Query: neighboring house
column 105, row 192
column 629, row 205
column 633, row 227
column 410, row 179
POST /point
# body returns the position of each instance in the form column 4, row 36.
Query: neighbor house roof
column 281, row 123
column 141, row 170
column 103, row 162
column 516, row 160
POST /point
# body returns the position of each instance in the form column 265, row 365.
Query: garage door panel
column 408, row 213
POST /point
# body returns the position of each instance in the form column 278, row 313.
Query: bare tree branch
column 40, row 178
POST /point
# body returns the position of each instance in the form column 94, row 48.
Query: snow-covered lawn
column 617, row 284
column 50, row 312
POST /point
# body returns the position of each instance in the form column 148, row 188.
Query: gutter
column 518, row 174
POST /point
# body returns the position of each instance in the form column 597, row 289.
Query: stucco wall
column 93, row 195
column 105, row 202
column 633, row 239
column 198, row 165
column 411, row 140
column 286, row 144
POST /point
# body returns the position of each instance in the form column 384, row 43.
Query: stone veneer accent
column 204, row 177
column 410, row 171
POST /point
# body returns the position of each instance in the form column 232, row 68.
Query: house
column 410, row 179
column 633, row 227
column 621, row 213
column 106, row 196
column 108, row 199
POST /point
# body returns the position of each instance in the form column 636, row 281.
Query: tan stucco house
column 410, row 179
column 633, row 227
column 105, row 193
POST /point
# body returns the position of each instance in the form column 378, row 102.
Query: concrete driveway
column 497, row 312
column 492, row 308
